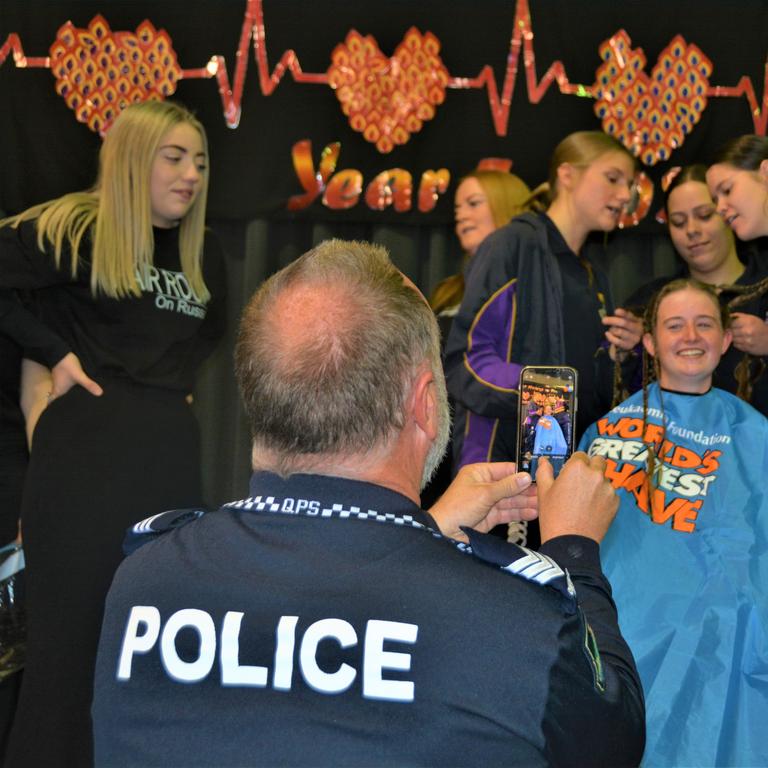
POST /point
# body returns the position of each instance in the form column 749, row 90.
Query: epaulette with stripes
column 526, row 563
column 149, row 529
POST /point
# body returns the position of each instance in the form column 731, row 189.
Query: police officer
column 326, row 619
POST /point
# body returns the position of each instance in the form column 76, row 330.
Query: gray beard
column 439, row 446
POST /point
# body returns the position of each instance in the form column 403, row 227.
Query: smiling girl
column 685, row 554
column 128, row 294
column 738, row 181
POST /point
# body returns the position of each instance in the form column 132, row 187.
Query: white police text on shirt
column 145, row 627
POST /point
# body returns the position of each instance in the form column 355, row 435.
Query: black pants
column 98, row 465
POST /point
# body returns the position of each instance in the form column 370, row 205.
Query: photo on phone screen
column 546, row 417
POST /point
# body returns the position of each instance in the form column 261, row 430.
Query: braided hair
column 751, row 367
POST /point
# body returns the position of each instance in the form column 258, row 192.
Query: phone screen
column 546, row 417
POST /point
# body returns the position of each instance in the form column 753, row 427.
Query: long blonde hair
column 507, row 195
column 117, row 213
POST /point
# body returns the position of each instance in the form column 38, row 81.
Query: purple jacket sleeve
column 480, row 372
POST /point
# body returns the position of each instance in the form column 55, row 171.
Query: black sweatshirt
column 157, row 339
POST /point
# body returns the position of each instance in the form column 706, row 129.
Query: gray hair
column 338, row 385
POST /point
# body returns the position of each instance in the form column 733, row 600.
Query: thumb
column 517, row 483
column 545, row 475
column 506, row 487
column 87, row 383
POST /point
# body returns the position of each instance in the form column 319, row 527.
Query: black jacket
column 512, row 316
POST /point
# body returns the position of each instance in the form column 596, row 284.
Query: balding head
column 327, row 353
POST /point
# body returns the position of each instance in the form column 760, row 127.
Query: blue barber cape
column 549, row 437
column 689, row 570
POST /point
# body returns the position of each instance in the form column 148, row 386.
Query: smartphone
column 546, row 417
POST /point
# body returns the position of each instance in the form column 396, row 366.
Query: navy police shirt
column 324, row 621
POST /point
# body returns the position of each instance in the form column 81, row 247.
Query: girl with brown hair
column 685, row 554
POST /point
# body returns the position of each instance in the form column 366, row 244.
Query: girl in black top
column 532, row 298
column 129, row 295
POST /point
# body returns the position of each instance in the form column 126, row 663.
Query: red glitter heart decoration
column 651, row 115
column 100, row 72
column 388, row 99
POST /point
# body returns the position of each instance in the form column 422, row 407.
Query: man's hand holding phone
column 580, row 502
column 482, row 496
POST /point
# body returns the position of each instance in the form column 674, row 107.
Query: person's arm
column 213, row 326
column 24, row 266
column 36, row 386
column 750, row 333
column 623, row 332
column 40, row 386
column 34, row 337
column 595, row 689
column 480, row 373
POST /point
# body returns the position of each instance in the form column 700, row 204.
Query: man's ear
column 649, row 345
column 763, row 171
column 424, row 404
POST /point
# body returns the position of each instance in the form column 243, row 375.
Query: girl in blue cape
column 549, row 440
column 686, row 554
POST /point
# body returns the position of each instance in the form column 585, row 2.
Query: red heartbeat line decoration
column 387, row 99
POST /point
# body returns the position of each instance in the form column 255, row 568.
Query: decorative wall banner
column 397, row 92
column 342, row 190
column 387, row 99
column 652, row 114
column 99, row 72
